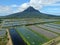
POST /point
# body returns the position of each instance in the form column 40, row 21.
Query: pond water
column 17, row 40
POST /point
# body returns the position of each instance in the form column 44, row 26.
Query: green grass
column 57, row 22
column 3, row 41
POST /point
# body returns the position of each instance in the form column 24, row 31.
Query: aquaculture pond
column 16, row 39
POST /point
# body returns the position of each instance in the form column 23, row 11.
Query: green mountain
column 30, row 12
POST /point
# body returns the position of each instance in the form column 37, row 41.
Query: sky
column 45, row 6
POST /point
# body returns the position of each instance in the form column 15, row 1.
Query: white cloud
column 5, row 9
column 37, row 4
column 53, row 5
column 23, row 7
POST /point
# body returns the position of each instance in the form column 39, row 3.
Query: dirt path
column 56, row 40
column 58, row 44
column 9, row 41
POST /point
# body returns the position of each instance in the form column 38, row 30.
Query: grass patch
column 57, row 22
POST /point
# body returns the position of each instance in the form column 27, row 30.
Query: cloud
column 5, row 10
column 37, row 4
column 23, row 7
column 53, row 5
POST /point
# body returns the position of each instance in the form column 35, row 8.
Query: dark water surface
column 17, row 40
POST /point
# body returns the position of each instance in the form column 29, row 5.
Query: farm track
column 55, row 39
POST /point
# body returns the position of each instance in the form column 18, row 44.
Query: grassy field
column 57, row 22
column 3, row 41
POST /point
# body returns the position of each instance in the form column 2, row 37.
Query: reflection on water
column 17, row 40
